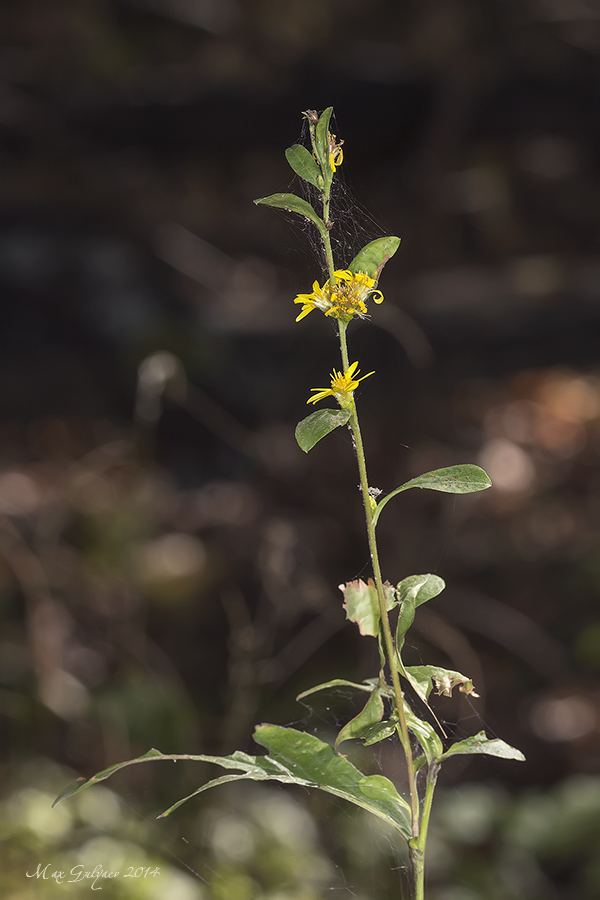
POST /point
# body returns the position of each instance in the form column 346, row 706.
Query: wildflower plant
column 381, row 610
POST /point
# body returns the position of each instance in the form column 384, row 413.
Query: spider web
column 353, row 225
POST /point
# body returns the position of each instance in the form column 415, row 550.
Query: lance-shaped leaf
column 412, row 592
column 314, row 427
column 338, row 682
column 465, row 479
column 372, row 258
column 304, row 164
column 362, row 605
column 322, row 142
column 481, row 743
column 423, row 679
column 425, row 734
column 294, row 204
column 369, row 715
column 294, row 758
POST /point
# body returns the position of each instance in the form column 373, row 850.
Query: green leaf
column 425, row 734
column 372, row 258
column 322, row 142
column 337, row 682
column 480, row 743
column 369, row 715
column 294, row 758
column 82, row 783
column 423, row 678
column 312, row 762
column 362, row 605
column 314, row 427
column 294, row 204
column 465, row 479
column 379, row 732
column 304, row 164
column 412, row 592
column 419, row 589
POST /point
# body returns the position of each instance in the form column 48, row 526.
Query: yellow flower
column 342, row 386
column 344, row 300
column 336, row 154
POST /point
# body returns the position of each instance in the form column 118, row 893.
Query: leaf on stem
column 481, row 743
column 294, row 204
column 412, row 592
column 336, row 682
column 369, row 715
column 314, row 427
column 423, row 679
column 463, row 479
column 322, row 142
column 362, row 604
column 294, row 758
column 373, row 257
column 425, row 734
column 304, row 164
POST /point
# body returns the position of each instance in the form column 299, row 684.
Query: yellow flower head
column 342, row 386
column 344, row 300
column 336, row 154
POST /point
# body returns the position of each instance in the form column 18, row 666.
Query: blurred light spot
column 563, row 719
column 171, row 568
column 470, row 812
column 33, row 809
column 116, row 853
column 64, row 694
column 537, row 276
column 509, row 467
column 157, row 369
column 569, row 397
column 549, row 156
column 172, row 556
column 287, row 821
column 477, row 189
column 231, row 838
column 154, row 376
column 19, row 494
column 176, row 886
column 457, row 893
column 518, row 420
column 99, row 808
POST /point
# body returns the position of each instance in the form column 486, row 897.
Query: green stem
column 364, row 486
column 385, row 621
column 418, row 852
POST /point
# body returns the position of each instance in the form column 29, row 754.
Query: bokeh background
column 169, row 557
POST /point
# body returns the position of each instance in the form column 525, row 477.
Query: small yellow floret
column 344, row 299
column 342, row 386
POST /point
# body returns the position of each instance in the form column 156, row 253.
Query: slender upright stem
column 417, row 853
column 385, row 622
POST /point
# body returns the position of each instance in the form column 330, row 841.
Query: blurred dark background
column 168, row 556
